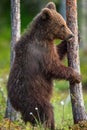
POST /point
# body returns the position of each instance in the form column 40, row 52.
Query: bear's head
column 50, row 25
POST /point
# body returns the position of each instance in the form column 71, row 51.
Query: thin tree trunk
column 15, row 26
column 79, row 113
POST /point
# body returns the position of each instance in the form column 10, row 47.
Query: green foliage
column 83, row 62
column 60, row 101
column 4, row 47
column 65, row 125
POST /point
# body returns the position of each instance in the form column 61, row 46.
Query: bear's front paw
column 75, row 78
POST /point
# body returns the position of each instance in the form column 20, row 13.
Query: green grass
column 60, row 102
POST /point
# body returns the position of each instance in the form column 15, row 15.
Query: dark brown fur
column 37, row 62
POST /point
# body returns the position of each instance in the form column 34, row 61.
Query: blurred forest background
column 29, row 8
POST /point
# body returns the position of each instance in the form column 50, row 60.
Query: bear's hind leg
column 49, row 117
column 35, row 112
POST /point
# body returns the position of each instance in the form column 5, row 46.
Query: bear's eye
column 62, row 26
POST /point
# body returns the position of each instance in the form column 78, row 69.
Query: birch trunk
column 15, row 35
column 78, row 109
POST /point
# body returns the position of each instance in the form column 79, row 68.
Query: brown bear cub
column 37, row 63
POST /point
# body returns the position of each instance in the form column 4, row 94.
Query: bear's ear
column 51, row 5
column 46, row 14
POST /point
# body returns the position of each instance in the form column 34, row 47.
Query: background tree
column 15, row 26
column 83, row 11
column 79, row 113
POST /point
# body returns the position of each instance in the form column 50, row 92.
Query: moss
column 80, row 126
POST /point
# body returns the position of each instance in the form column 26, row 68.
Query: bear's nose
column 70, row 36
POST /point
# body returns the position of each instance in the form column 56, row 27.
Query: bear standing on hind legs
column 37, row 63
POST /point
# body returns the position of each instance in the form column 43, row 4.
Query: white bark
column 15, row 35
